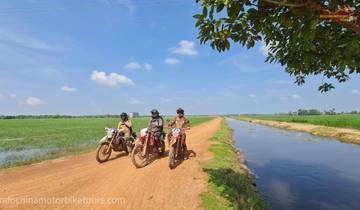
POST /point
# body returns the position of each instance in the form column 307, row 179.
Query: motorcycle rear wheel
column 101, row 154
column 162, row 148
column 136, row 156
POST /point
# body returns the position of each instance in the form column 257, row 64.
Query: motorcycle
column 142, row 154
column 114, row 141
column 177, row 150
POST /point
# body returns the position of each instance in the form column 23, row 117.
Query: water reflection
column 18, row 156
column 299, row 171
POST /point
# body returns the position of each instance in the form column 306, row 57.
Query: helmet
column 154, row 113
column 180, row 111
column 123, row 116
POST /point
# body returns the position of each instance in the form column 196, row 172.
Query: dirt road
column 81, row 183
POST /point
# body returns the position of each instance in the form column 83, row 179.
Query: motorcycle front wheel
column 162, row 148
column 137, row 158
column 172, row 157
column 102, row 153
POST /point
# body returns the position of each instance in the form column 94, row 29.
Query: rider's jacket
column 180, row 122
column 156, row 125
column 125, row 127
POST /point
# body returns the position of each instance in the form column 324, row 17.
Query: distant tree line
column 317, row 112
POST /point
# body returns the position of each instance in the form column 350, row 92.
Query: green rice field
column 24, row 141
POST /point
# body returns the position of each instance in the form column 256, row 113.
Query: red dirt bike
column 142, row 154
column 113, row 141
column 177, row 150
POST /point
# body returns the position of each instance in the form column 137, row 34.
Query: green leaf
column 205, row 11
column 220, row 7
column 198, row 16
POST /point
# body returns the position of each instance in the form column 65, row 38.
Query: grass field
column 230, row 186
column 24, row 141
column 340, row 121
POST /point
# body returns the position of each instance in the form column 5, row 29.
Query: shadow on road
column 118, row 155
column 189, row 154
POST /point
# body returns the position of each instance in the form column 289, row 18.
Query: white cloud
column 68, row 89
column 172, row 61
column 295, row 96
column 132, row 66
column 134, row 101
column 244, row 63
column 11, row 96
column 252, row 96
column 185, row 48
column 136, row 65
column 112, row 79
column 33, row 101
column 355, row 91
column 22, row 40
column 148, row 66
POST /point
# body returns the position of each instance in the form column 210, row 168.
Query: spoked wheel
column 162, row 148
column 172, row 157
column 137, row 157
column 102, row 153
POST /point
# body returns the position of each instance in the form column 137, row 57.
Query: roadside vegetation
column 229, row 184
column 339, row 121
column 25, row 141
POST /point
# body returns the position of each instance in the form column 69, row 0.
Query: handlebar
column 188, row 128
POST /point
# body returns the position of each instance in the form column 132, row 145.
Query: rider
column 180, row 121
column 156, row 125
column 125, row 126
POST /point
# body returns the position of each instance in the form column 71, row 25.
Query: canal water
column 295, row 170
column 8, row 158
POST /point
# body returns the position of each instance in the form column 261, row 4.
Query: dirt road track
column 152, row 187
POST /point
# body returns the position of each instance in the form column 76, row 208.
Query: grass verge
column 229, row 184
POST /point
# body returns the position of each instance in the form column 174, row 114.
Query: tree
column 314, row 112
column 330, row 112
column 303, row 112
column 292, row 30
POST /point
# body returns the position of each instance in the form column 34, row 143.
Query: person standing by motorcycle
column 181, row 122
column 155, row 127
column 125, row 126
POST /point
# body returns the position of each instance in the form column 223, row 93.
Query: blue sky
column 109, row 56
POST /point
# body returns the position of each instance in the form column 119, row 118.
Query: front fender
column 173, row 140
column 137, row 142
column 103, row 140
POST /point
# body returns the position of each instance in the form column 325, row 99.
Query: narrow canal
column 295, row 170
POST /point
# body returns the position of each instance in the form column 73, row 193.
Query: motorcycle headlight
column 110, row 133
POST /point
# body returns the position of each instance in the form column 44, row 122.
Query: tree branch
column 352, row 26
column 317, row 7
column 284, row 4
